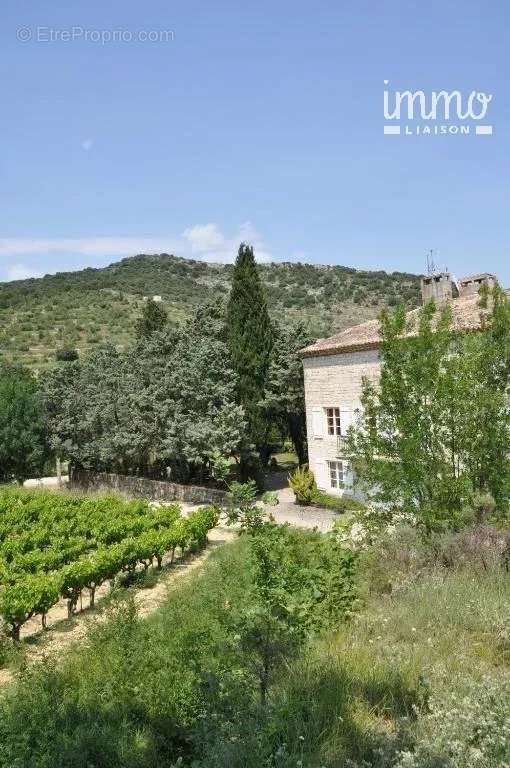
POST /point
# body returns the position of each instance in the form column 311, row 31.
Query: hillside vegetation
column 82, row 309
column 417, row 678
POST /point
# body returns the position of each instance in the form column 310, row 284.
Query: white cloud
column 208, row 243
column 200, row 241
column 87, row 144
column 86, row 246
column 204, row 238
column 21, row 272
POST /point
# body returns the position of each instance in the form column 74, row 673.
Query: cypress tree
column 250, row 342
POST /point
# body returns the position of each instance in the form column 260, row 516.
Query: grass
column 349, row 695
column 142, row 693
column 287, row 461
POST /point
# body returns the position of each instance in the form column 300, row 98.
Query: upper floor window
column 333, row 419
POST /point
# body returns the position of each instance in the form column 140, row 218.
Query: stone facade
column 334, row 382
column 142, row 487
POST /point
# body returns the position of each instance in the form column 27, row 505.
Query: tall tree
column 205, row 418
column 22, row 439
column 153, row 318
column 284, row 398
column 250, row 342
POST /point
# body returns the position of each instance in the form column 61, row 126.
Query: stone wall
column 142, row 487
column 333, row 381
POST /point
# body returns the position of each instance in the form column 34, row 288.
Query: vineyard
column 55, row 545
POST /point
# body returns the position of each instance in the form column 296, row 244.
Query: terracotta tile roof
column 466, row 317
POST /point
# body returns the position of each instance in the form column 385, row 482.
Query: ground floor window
column 336, row 473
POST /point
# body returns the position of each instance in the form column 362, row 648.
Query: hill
column 82, row 309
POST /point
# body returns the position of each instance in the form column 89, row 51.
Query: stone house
column 334, row 369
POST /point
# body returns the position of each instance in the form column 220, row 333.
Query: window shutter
column 317, row 422
column 321, row 475
column 346, row 419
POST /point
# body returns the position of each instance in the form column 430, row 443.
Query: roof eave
column 344, row 349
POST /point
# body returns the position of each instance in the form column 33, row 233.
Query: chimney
column 473, row 283
column 440, row 286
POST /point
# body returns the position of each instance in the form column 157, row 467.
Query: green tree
column 250, row 342
column 436, row 428
column 284, row 397
column 153, row 318
column 23, row 447
column 167, row 402
column 205, row 419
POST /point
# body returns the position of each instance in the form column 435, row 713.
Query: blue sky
column 260, row 121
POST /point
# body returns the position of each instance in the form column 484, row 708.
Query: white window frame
column 333, row 421
column 339, row 474
column 336, row 474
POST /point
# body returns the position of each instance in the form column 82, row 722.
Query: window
column 336, row 473
column 333, row 419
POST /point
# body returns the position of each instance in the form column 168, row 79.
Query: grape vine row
column 55, row 545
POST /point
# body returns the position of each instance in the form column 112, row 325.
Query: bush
column 464, row 729
column 66, row 354
column 270, row 498
column 338, row 503
column 481, row 547
column 302, row 482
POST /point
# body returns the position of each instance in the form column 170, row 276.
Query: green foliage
column 419, row 678
column 204, row 419
column 220, row 468
column 169, row 402
column 270, row 498
column 463, row 728
column 66, row 354
column 436, row 429
column 23, row 447
column 173, row 687
column 153, row 319
column 250, row 337
column 302, row 482
column 337, row 503
column 53, row 544
column 284, row 396
column 241, row 505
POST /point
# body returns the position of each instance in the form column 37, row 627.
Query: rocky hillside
column 82, row 309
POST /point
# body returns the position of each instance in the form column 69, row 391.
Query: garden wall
column 142, row 487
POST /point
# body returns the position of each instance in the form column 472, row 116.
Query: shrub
column 66, row 354
column 338, row 503
column 464, row 730
column 484, row 506
column 302, row 482
column 481, row 547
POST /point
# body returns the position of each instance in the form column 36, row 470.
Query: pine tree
column 250, row 342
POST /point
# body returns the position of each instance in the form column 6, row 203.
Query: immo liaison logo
column 439, row 113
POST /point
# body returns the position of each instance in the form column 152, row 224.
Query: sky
column 185, row 127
